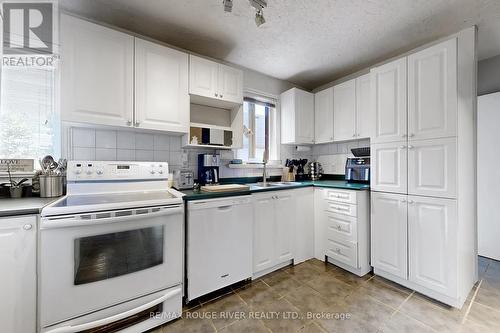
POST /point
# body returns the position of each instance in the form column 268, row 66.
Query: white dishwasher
column 219, row 243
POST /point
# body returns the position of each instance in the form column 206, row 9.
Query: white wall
column 488, row 178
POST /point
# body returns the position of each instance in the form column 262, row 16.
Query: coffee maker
column 208, row 169
column 357, row 168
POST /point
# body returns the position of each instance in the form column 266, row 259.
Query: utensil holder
column 51, row 186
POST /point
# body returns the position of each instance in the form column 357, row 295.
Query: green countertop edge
column 190, row 195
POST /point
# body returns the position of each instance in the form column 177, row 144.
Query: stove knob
column 152, row 172
column 160, row 172
column 78, row 171
column 99, row 172
column 89, row 172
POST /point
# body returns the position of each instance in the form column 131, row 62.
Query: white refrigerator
column 488, row 175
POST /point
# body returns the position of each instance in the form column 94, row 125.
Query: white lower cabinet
column 432, row 243
column 414, row 242
column 18, row 280
column 341, row 231
column 389, row 233
column 274, row 229
column 304, row 225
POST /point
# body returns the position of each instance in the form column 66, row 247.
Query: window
column 29, row 125
column 258, row 121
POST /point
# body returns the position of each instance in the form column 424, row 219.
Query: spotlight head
column 228, row 5
column 259, row 18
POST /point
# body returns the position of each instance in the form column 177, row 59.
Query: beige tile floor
column 373, row 304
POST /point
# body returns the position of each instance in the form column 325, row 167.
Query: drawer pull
column 338, row 251
column 339, row 228
column 341, row 209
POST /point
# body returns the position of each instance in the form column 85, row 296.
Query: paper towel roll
column 303, row 148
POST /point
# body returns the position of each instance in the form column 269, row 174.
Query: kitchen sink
column 275, row 184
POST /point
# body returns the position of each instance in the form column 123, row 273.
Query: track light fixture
column 228, row 5
column 259, row 6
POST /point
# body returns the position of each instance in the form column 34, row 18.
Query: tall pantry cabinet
column 423, row 169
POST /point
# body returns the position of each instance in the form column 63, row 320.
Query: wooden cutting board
column 225, row 188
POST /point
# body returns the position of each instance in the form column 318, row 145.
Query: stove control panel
column 116, row 170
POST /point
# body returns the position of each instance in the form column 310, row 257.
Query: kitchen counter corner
column 23, row 206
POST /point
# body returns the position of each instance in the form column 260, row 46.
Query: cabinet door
column 263, row 233
column 97, row 71
column 344, row 111
column 388, row 84
column 323, row 116
column 304, row 121
column 287, row 100
column 389, row 233
column 161, row 89
column 284, row 212
column 203, row 77
column 432, row 168
column 18, row 281
column 364, row 110
column 230, row 84
column 432, row 244
column 304, row 226
column 389, row 168
column 432, row 92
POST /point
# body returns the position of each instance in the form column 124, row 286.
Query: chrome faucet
column 265, row 159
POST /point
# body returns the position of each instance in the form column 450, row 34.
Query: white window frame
column 274, row 125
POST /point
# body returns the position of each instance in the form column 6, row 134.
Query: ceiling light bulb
column 228, row 5
column 259, row 18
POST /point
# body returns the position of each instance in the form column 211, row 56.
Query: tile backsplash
column 124, row 145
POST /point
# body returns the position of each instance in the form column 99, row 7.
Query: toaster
column 183, row 179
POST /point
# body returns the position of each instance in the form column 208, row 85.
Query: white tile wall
column 126, row 145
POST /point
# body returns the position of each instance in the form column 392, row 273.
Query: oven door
column 92, row 261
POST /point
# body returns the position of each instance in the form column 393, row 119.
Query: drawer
column 341, row 208
column 343, row 251
column 342, row 227
column 341, row 196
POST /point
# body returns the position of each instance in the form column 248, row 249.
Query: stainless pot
column 51, row 186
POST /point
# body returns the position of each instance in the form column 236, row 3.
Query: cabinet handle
column 129, row 123
column 403, row 201
column 403, row 135
column 339, row 228
column 137, row 124
column 27, row 226
column 402, row 147
column 216, row 95
column 221, row 96
column 410, row 147
column 411, row 201
column 337, row 250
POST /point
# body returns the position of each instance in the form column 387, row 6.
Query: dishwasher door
column 219, row 244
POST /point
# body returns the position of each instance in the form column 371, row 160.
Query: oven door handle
column 70, row 221
column 120, row 316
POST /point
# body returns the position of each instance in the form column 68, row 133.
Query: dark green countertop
column 190, row 195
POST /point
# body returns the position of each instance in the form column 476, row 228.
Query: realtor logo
column 27, row 28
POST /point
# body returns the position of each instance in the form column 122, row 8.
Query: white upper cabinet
column 344, row 111
column 432, row 167
column 214, row 84
column 389, row 233
column 432, row 244
column 364, row 110
column 389, row 163
column 323, row 116
column 97, row 73
column 432, row 92
column 230, row 84
column 161, row 94
column 203, row 77
column 297, row 117
column 389, row 97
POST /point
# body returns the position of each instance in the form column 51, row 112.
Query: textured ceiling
column 307, row 42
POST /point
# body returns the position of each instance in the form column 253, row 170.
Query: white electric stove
column 111, row 250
